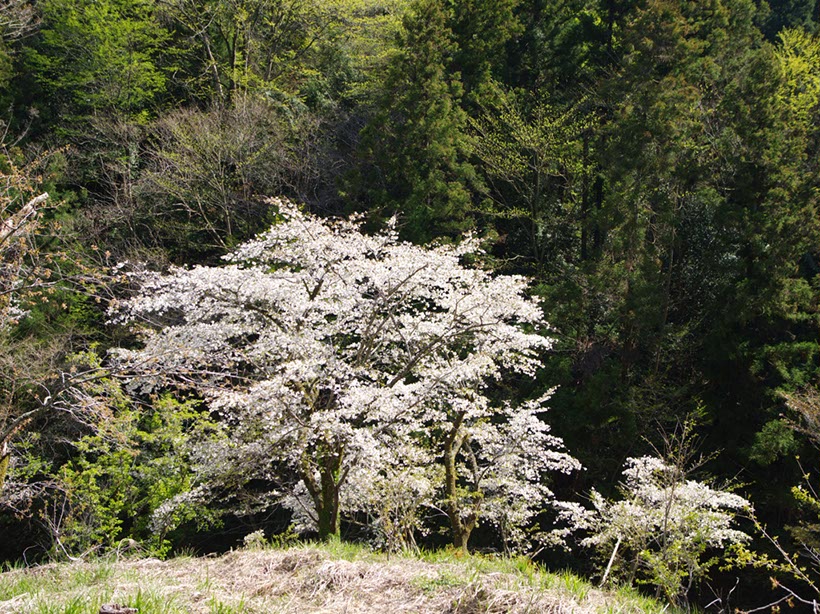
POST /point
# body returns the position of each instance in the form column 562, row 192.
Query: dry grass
column 306, row 579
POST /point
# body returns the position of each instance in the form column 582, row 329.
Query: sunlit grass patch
column 306, row 578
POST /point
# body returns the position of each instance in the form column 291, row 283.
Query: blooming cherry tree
column 664, row 525
column 342, row 361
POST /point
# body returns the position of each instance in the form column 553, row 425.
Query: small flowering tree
column 343, row 363
column 663, row 527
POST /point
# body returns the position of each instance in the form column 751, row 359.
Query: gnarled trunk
column 325, row 492
column 460, row 528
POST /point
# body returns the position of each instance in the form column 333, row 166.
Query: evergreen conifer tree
column 418, row 138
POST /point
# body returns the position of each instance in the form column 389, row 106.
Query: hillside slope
column 307, row 579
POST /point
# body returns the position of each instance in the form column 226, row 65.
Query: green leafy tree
column 699, row 214
column 481, row 30
column 46, row 298
column 418, row 140
column 236, row 46
column 767, row 307
column 533, row 156
column 99, row 56
column 117, row 477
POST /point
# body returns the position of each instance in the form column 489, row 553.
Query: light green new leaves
column 95, row 56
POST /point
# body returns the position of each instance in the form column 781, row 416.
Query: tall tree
column 700, row 188
column 338, row 357
column 533, row 155
column 241, row 45
column 481, row 30
column 418, row 140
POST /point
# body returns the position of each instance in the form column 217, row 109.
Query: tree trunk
column 325, row 493
column 329, row 510
column 328, row 522
column 460, row 528
column 461, row 537
column 5, row 456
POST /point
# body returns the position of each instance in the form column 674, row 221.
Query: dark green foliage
column 775, row 440
column 418, row 141
column 791, row 14
column 694, row 221
column 481, row 31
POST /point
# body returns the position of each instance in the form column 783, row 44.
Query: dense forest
column 628, row 187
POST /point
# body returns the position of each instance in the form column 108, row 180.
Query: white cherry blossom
column 352, row 366
column 666, row 528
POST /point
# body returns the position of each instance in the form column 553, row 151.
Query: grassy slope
column 304, row 579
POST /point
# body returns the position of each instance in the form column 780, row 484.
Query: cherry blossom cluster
column 660, row 500
column 343, row 365
column 664, row 525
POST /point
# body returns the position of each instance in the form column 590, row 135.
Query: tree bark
column 460, row 528
column 329, row 512
column 325, row 494
column 5, row 456
column 328, row 522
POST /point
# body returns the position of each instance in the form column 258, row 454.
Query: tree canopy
column 341, row 361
